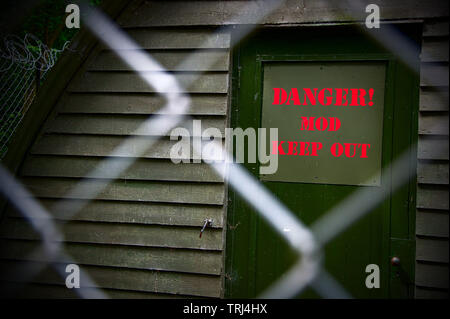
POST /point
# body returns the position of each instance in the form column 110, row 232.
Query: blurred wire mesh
column 19, row 80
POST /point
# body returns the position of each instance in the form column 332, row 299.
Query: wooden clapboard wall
column 140, row 236
column 432, row 188
column 432, row 225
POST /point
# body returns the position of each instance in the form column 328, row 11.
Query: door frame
column 397, row 241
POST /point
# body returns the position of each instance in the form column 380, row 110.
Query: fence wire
column 24, row 63
column 308, row 242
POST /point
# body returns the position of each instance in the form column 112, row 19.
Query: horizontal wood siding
column 433, row 250
column 434, row 49
column 432, row 172
column 154, row 13
column 433, row 147
column 432, row 275
column 141, row 169
column 435, row 123
column 182, row 38
column 124, row 125
column 126, row 279
column 132, row 103
column 139, row 237
column 57, row 291
column 128, row 82
column 105, row 145
column 432, row 223
column 143, row 191
column 207, row 60
column 180, row 260
column 132, row 212
column 122, row 234
column 432, row 228
column 433, row 100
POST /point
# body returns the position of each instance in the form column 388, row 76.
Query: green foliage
column 47, row 22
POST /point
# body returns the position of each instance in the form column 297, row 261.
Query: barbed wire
column 29, row 53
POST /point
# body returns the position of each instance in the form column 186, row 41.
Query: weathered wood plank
column 46, row 291
column 435, row 28
column 179, row 260
column 433, row 123
column 430, row 293
column 434, row 50
column 120, row 103
column 432, row 250
column 432, row 275
column 434, row 74
column 211, row 60
column 141, row 169
column 154, row 13
column 121, row 234
column 133, row 83
column 180, row 38
column 189, row 193
column 431, row 147
column 126, row 124
column 134, row 212
column 85, row 145
column 125, row 279
column 432, row 197
column 337, row 10
column 432, row 172
column 430, row 223
column 433, row 101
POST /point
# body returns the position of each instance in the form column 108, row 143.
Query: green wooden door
column 325, row 57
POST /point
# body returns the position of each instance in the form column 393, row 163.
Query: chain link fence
column 25, row 64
